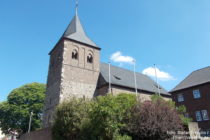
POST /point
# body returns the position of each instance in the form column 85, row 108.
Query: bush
column 107, row 117
column 153, row 119
column 102, row 118
column 180, row 109
column 69, row 117
column 118, row 117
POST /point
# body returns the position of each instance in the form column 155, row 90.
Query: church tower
column 73, row 70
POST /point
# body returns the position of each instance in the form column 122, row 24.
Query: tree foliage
column 180, row 109
column 152, row 120
column 107, row 117
column 119, row 117
column 101, row 118
column 69, row 117
column 15, row 112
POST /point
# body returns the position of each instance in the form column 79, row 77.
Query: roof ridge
column 124, row 69
column 144, row 82
column 201, row 69
column 133, row 71
column 188, row 76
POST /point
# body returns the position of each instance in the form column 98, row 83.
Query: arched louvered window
column 90, row 58
column 74, row 54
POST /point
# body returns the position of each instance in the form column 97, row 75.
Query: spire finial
column 77, row 4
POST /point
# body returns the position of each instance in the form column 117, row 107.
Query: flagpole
column 157, row 80
column 134, row 72
column 110, row 78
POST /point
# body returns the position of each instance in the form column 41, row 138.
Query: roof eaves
column 172, row 91
column 62, row 38
column 96, row 47
column 127, row 86
column 145, row 90
column 55, row 46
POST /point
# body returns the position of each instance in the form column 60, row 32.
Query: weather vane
column 77, row 4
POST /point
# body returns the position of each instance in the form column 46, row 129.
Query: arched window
column 90, row 58
column 74, row 54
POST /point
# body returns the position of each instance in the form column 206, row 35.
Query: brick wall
column 194, row 105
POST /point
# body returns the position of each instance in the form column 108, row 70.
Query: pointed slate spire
column 76, row 32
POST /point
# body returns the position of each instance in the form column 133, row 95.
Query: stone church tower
column 73, row 70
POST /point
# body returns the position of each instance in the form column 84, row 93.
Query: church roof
column 197, row 77
column 76, row 32
column 125, row 78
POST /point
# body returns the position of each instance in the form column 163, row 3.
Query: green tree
column 119, row 117
column 69, row 118
column 107, row 117
column 100, row 119
column 15, row 112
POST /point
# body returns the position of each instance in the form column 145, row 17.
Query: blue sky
column 173, row 34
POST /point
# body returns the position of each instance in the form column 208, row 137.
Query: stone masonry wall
column 69, row 77
column 117, row 90
column 53, row 84
column 79, row 78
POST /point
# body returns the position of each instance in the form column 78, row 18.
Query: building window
column 205, row 115
column 74, row 54
column 198, row 116
column 180, row 97
column 90, row 58
column 196, row 94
